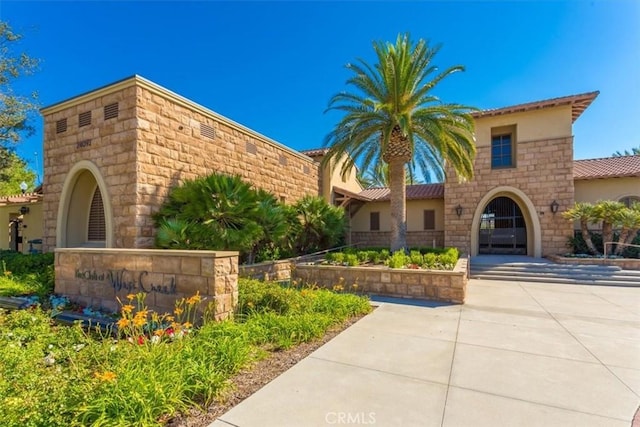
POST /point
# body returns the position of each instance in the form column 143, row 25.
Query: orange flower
column 178, row 311
column 187, row 325
column 123, row 323
column 195, row 299
column 107, row 376
column 130, row 297
column 126, row 309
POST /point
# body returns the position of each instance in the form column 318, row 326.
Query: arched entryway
column 84, row 213
column 508, row 208
column 503, row 230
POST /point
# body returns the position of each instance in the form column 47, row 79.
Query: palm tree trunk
column 586, row 236
column 398, row 204
column 607, row 235
column 624, row 234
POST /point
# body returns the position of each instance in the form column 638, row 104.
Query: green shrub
column 375, row 256
column 339, row 258
column 398, row 259
column 430, row 260
column 416, row 258
column 352, row 260
column 384, row 255
column 363, row 256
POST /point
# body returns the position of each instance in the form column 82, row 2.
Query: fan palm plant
column 629, row 218
column 584, row 214
column 393, row 117
column 608, row 212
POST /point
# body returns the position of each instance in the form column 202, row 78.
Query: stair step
column 562, row 280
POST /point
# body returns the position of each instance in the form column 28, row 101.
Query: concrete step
column 556, row 273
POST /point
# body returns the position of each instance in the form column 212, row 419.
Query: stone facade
column 271, row 270
column 98, row 277
column 446, row 286
column 157, row 141
column 543, row 173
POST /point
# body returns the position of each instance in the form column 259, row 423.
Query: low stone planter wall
column 624, row 263
column 96, row 277
column 447, row 286
column 273, row 270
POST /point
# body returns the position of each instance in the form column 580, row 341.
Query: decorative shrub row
column 428, row 258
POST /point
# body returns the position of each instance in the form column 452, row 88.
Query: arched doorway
column 503, row 229
column 84, row 213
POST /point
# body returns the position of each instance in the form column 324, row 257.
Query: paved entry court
column 516, row 354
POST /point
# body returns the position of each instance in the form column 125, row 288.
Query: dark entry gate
column 502, row 228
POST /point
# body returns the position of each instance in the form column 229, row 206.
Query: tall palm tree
column 393, row 117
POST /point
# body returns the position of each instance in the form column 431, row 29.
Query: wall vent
column 61, row 126
column 84, row 119
column 97, row 226
column 283, row 160
column 251, row 148
column 111, row 111
column 306, row 169
column 207, row 131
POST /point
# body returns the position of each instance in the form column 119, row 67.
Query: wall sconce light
column 554, row 206
column 459, row 210
column 24, row 210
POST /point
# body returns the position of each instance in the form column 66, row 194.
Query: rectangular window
column 501, row 151
column 374, row 221
column 429, row 219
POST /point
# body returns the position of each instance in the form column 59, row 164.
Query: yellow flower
column 194, row 299
column 123, row 323
column 178, row 311
column 130, row 297
column 170, row 318
column 140, row 319
column 107, row 376
column 187, row 325
column 126, row 309
column 158, row 332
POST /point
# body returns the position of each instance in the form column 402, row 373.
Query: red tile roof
column 414, row 192
column 610, row 167
column 315, row 152
column 578, row 103
column 20, row 199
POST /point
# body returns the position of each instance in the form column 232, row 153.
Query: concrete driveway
column 516, row 354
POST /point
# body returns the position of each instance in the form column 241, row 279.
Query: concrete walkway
column 516, row 354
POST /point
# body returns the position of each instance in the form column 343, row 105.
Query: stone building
column 112, row 155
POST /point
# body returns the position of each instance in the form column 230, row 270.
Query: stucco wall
column 415, row 216
column 332, row 177
column 593, row 190
column 32, row 220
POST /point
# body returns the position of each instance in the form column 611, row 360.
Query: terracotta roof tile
column 315, row 152
column 414, row 192
column 578, row 103
column 610, row 167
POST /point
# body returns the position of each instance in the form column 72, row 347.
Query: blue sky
column 273, row 66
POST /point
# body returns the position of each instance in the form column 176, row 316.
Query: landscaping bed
column 158, row 366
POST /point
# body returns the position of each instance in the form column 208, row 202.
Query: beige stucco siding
column 415, row 216
column 531, row 125
column 593, row 190
column 32, row 220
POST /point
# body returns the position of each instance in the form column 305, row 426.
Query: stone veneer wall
column 447, row 286
column 154, row 144
column 96, row 277
column 171, row 149
column 415, row 239
column 544, row 172
column 112, row 148
column 273, row 270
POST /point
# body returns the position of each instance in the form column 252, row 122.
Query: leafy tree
column 14, row 172
column 393, row 117
column 584, row 213
column 15, row 110
column 635, row 151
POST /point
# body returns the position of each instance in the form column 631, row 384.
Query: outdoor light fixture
column 554, row 206
column 459, row 210
column 23, row 187
column 24, row 210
